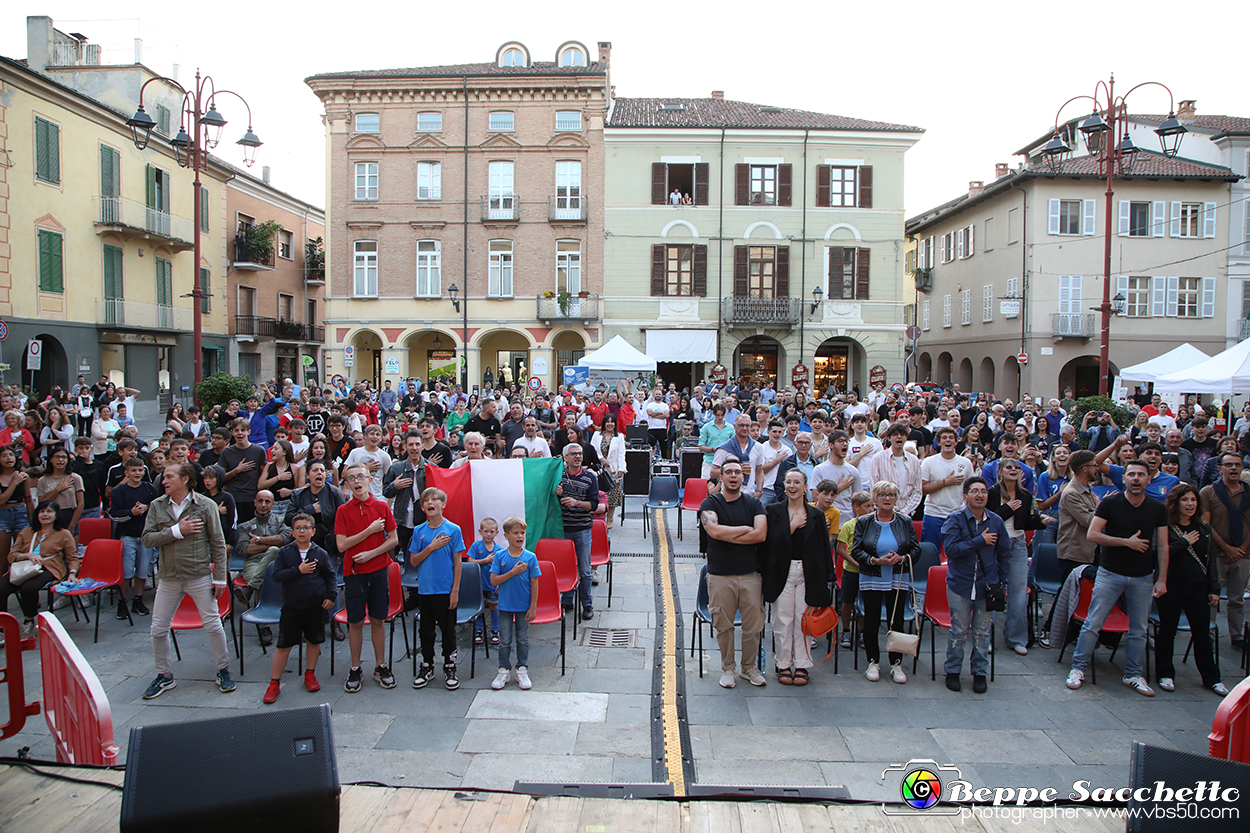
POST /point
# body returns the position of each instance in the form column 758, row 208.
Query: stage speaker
column 1163, row 772
column 691, row 465
column 637, row 435
column 637, row 471
column 270, row 771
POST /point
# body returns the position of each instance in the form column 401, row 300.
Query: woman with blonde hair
column 885, row 548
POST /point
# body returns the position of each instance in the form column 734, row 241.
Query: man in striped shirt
column 579, row 498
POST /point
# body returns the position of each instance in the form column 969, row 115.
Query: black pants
column 245, row 509
column 874, row 601
column 27, row 592
column 436, row 611
column 1192, row 598
column 1065, row 569
column 84, row 425
column 659, row 436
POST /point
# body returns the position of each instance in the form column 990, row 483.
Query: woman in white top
column 611, row 447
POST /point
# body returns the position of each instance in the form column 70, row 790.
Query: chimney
column 605, row 52
column 718, row 94
column 1187, row 110
column 1001, row 169
column 174, row 73
column 138, row 50
column 264, row 174
column 975, row 187
column 38, row 42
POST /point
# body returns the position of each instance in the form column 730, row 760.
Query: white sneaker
column 728, row 679
column 874, row 672
column 501, row 679
column 1021, row 650
column 61, row 601
column 1075, row 678
column 1167, row 684
column 1220, row 689
column 753, row 676
column 523, row 678
column 896, row 673
column 1139, row 685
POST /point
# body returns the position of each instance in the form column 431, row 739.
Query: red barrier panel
column 75, row 705
column 11, row 676
column 1230, row 731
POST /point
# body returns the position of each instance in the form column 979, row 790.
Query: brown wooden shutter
column 699, row 273
column 835, row 274
column 785, row 173
column 781, row 273
column 700, row 183
column 742, row 184
column 658, row 265
column 822, row 186
column 865, row 186
column 659, row 183
column 862, row 257
column 740, row 271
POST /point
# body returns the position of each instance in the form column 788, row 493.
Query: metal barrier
column 11, row 676
column 1230, row 731
column 75, row 705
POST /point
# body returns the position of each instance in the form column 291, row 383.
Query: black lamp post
column 1106, row 134
column 191, row 151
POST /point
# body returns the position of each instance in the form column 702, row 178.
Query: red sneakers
column 310, row 681
column 271, row 693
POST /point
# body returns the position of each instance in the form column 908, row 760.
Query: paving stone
column 999, row 746
column 614, row 740
column 421, row 734
column 745, row 772
column 611, row 681
column 867, row 743
column 497, row 736
column 778, row 743
column 633, row 659
column 776, row 711
column 363, row 729
column 629, row 708
column 724, row 708
column 969, row 711
column 1098, row 746
column 1076, row 715
column 859, row 711
column 500, row 771
column 404, row 768
column 514, row 704
column 632, row 771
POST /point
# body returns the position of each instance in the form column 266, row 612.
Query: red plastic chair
column 937, row 612
column 93, row 529
column 692, row 498
column 563, row 555
column 101, row 562
column 394, row 610
column 187, row 618
column 918, row 525
column 1230, row 731
column 600, row 551
column 1116, row 622
column 549, row 609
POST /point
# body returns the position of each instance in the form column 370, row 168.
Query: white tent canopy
column 1223, row 373
column 618, row 355
column 1175, row 360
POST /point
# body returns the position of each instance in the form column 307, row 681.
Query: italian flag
column 502, row 489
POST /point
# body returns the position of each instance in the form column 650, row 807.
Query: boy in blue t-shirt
column 515, row 572
column 436, row 550
column 482, row 553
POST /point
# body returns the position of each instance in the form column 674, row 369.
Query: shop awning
column 682, row 345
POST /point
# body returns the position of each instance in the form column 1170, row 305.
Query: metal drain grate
column 609, row 638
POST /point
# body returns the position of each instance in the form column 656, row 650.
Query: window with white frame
column 430, row 122
column 568, row 121
column 368, row 123
column 965, row 239
column 926, row 262
column 429, row 180
column 1187, row 297
column 499, row 181
column 1137, row 296
column 1136, row 218
column 499, row 283
column 366, row 269
column 987, row 306
column 1013, row 291
column 568, row 189
column 501, row 121
column 842, row 186
column 512, row 58
column 429, row 269
column 948, row 247
column 987, row 238
column 1013, row 226
column 924, row 319
column 285, row 247
column 1186, row 219
column 946, row 310
column 1245, row 294
column 366, row 180
column 1070, row 302
column 569, row 266
column 1065, row 216
column 763, row 185
column 967, row 307
column 572, row 57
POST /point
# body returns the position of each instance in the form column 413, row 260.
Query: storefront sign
column 876, row 376
column 540, row 366
column 798, row 375
column 719, row 374
column 442, row 363
column 392, row 366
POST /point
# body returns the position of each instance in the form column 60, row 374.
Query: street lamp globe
column 1170, row 133
column 250, row 144
column 141, row 126
column 1094, row 129
column 214, row 122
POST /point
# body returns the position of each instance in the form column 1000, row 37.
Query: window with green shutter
column 110, row 184
column 164, row 293
column 114, row 308
column 47, row 151
column 51, row 268
column 206, row 287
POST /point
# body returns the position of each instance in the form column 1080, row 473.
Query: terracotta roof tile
column 1147, row 165
column 719, row 112
column 1220, row 124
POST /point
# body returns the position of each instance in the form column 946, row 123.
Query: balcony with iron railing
column 130, row 218
column 118, row 312
column 1072, row 325
column 568, row 307
column 567, row 209
column 247, row 260
column 743, row 309
column 501, row 208
column 256, row 326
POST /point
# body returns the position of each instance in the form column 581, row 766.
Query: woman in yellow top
column 50, row 546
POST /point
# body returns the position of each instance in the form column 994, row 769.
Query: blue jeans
column 93, row 512
column 931, row 530
column 581, row 542
column 1108, row 587
column 968, row 616
column 513, row 623
column 137, row 560
column 1016, row 629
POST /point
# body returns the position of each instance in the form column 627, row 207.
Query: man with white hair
column 474, row 449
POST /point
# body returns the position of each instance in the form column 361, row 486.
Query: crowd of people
column 330, row 486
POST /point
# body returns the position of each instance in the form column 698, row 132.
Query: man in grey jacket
column 186, row 526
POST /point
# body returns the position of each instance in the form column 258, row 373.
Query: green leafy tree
column 220, row 388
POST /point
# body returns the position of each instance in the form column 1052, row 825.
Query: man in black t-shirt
column 920, row 433
column 439, row 454
column 486, row 423
column 1132, row 530
column 736, row 528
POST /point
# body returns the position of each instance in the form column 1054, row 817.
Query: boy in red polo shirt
column 366, row 533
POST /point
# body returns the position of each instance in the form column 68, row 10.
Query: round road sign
column 4, row 331
column 534, row 383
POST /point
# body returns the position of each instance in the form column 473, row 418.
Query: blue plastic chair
column 663, row 495
column 703, row 615
column 268, row 611
column 471, row 604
